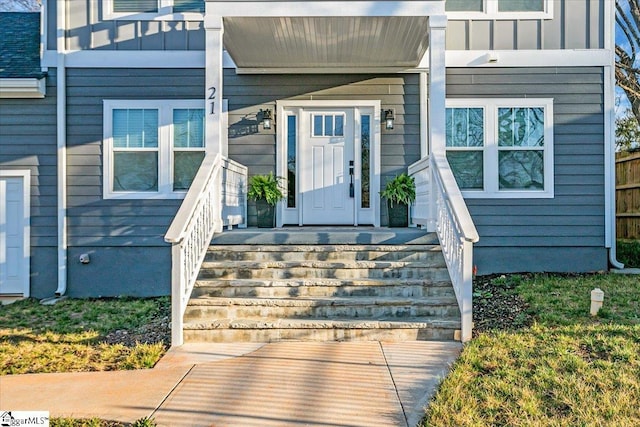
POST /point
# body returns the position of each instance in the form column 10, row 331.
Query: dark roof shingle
column 20, row 45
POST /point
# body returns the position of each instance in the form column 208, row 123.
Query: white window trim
column 490, row 11
column 164, row 13
column 490, row 157
column 165, row 146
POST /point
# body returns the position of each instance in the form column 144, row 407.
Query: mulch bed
column 497, row 306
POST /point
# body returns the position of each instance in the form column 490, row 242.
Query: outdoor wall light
column 389, row 117
column 266, row 119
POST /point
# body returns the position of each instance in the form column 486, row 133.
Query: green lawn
column 72, row 335
column 566, row 369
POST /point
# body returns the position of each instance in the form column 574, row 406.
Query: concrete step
column 243, row 330
column 317, row 269
column 436, row 285
column 203, row 309
column 323, row 253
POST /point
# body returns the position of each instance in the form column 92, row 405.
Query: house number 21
column 212, row 97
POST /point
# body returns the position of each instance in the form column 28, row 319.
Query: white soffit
column 320, row 42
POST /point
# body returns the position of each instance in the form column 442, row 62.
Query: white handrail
column 457, row 234
column 454, row 226
column 190, row 234
column 454, row 198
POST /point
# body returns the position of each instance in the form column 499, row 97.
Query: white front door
column 14, row 260
column 326, row 154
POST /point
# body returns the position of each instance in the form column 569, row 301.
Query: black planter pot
column 398, row 214
column 266, row 214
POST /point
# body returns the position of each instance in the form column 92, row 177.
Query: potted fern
column 400, row 192
column 266, row 190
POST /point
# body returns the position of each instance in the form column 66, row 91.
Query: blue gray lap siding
column 565, row 233
column 28, row 141
column 125, row 237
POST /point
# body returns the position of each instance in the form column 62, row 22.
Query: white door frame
column 25, row 174
column 369, row 215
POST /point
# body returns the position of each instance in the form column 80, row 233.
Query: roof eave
column 22, row 87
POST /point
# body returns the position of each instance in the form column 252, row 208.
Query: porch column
column 437, row 103
column 437, row 83
column 214, row 31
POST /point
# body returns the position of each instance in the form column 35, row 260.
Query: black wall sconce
column 264, row 117
column 389, row 118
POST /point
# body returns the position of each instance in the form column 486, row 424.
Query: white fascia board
column 325, row 8
column 525, row 58
column 129, row 59
column 23, row 88
column 134, row 59
column 324, row 70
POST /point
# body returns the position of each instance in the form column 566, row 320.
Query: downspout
column 610, row 167
column 61, row 137
column 609, row 139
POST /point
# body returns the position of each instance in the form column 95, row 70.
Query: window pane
column 465, row 127
column 185, row 167
column 150, row 136
column 328, row 125
column 520, row 5
column 339, row 126
column 463, row 5
column 291, row 161
column 365, row 179
column 120, row 128
column 188, row 127
column 467, row 169
column 317, row 125
column 135, row 128
column 180, row 6
column 521, row 127
column 135, row 171
column 135, row 6
column 521, row 170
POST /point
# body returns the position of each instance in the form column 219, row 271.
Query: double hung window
column 151, row 9
column 501, row 147
column 500, row 9
column 153, row 149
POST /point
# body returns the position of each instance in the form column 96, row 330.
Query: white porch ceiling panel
column 326, row 42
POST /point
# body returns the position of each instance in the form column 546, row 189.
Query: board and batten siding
column 86, row 30
column 254, row 147
column 565, row 233
column 28, row 141
column 125, row 238
column 576, row 24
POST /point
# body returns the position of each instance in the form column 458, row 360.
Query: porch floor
column 329, row 235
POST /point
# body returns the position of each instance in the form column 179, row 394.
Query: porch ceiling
column 397, row 42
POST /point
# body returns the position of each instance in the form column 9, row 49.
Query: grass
column 567, row 369
column 628, row 253
column 70, row 335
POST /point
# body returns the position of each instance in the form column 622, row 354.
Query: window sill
column 470, row 194
column 144, row 196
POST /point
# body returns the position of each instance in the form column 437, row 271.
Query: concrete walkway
column 282, row 384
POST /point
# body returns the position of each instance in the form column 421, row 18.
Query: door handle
column 352, row 190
